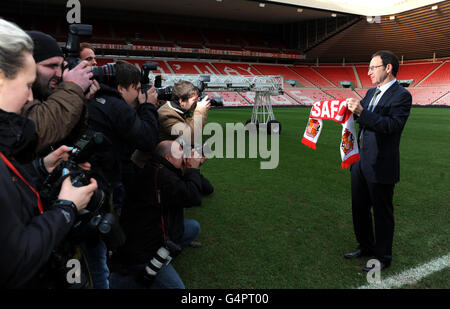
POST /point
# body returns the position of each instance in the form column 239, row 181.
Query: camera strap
column 11, row 167
column 159, row 204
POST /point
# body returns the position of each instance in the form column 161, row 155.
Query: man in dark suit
column 381, row 115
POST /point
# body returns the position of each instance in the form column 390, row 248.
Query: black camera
column 164, row 94
column 163, row 256
column 201, row 84
column 103, row 74
column 90, row 221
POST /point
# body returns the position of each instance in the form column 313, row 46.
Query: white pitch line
column 411, row 276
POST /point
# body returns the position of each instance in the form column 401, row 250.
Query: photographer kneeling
column 30, row 231
column 153, row 220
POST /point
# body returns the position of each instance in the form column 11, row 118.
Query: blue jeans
column 96, row 260
column 167, row 277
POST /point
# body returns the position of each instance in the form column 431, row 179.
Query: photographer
column 185, row 100
column 29, row 231
column 87, row 53
column 128, row 118
column 58, row 104
column 151, row 223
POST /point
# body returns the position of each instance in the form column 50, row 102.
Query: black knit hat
column 45, row 46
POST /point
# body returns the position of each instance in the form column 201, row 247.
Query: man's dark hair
column 388, row 58
column 85, row 45
column 183, row 90
column 127, row 74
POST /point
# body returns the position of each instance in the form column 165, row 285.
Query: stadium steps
column 170, row 68
column 432, row 72
column 357, row 77
column 357, row 94
column 444, row 97
column 303, row 78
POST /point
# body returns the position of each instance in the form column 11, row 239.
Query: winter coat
column 143, row 218
column 27, row 237
column 57, row 116
column 171, row 113
column 127, row 128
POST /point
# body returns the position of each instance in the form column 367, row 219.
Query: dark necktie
column 372, row 103
column 371, row 106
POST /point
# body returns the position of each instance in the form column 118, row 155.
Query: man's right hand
column 80, row 196
column 152, row 97
column 80, row 75
column 203, row 105
column 194, row 160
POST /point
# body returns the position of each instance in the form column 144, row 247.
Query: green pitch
column 289, row 227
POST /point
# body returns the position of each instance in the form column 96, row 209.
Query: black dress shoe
column 382, row 266
column 357, row 253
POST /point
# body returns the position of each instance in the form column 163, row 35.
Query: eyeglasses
column 374, row 67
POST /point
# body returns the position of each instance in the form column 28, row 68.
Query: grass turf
column 289, row 227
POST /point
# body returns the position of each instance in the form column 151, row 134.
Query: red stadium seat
column 337, row 74
column 288, row 74
column 427, row 96
column 307, row 96
column 187, row 67
column 312, row 76
column 440, row 77
column 236, row 69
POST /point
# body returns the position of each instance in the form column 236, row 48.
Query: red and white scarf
column 333, row 110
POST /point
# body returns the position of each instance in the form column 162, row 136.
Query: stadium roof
column 261, row 11
column 362, row 7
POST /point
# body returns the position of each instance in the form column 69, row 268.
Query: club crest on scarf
column 347, row 142
column 313, row 128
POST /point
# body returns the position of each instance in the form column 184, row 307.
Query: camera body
column 103, row 74
column 90, row 221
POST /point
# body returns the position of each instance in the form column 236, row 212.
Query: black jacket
column 383, row 127
column 127, row 129
column 27, row 237
column 143, row 218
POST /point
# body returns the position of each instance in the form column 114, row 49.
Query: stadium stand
column 416, row 71
column 427, row 96
column 229, row 98
column 337, row 74
column 305, row 92
column 440, row 77
column 444, row 100
column 268, row 69
column 307, row 96
column 313, row 76
column 319, row 81
column 236, row 68
column 187, row 67
column 412, row 33
column 188, row 35
column 341, row 93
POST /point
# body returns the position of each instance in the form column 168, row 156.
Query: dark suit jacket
column 380, row 156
